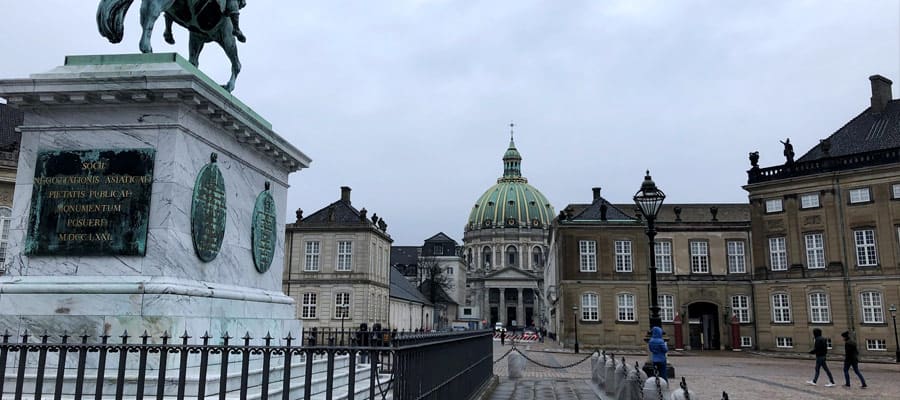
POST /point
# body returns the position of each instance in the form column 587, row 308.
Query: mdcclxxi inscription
column 208, row 211
column 264, row 230
column 90, row 202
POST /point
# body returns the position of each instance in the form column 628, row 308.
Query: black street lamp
column 649, row 199
column 575, row 321
column 893, row 310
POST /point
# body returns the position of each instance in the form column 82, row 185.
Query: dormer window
column 511, row 203
column 490, row 204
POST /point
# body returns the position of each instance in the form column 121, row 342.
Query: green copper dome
column 512, row 202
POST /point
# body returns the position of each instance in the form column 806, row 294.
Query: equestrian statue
column 207, row 21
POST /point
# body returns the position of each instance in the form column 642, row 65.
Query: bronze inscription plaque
column 90, row 202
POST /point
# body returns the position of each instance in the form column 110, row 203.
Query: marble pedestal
column 154, row 101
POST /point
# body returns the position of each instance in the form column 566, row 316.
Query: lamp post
column 575, row 321
column 893, row 310
column 649, row 199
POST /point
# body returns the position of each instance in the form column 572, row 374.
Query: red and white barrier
column 527, row 337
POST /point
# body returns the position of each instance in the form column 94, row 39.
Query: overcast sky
column 409, row 102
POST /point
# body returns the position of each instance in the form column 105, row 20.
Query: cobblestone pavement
column 742, row 375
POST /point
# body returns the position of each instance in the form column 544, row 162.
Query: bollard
column 633, row 385
column 621, row 379
column 655, row 388
column 595, row 359
column 683, row 393
column 610, row 374
column 600, row 372
column 516, row 365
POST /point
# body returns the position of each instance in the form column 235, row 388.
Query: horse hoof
column 228, row 88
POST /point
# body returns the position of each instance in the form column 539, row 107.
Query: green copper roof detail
column 512, row 202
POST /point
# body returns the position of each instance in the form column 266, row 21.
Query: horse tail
column 111, row 17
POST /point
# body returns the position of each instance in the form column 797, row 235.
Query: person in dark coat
column 820, row 349
column 658, row 350
column 851, row 359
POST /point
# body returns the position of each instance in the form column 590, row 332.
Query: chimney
column 345, row 194
column 596, row 191
column 881, row 92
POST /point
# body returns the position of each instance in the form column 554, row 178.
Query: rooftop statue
column 207, row 21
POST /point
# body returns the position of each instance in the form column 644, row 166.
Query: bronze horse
column 205, row 19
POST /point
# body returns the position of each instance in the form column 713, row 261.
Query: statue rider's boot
column 167, row 35
column 237, row 29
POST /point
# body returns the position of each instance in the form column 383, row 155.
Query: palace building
column 816, row 246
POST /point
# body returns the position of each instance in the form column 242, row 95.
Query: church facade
column 505, row 248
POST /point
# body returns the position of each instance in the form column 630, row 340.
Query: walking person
column 851, row 359
column 503, row 337
column 658, row 350
column 820, row 349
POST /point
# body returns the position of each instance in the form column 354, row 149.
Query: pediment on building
column 510, row 273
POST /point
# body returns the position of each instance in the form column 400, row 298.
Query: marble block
column 154, row 101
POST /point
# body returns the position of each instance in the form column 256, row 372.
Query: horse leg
column 195, row 46
column 150, row 11
column 229, row 44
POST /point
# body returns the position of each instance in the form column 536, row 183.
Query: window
column 666, row 307
column 895, row 191
column 809, row 200
column 773, row 206
column 784, row 342
column 740, row 306
column 467, row 311
column 438, row 249
column 344, row 256
column 876, row 345
column 664, row 257
column 486, row 256
column 512, row 255
column 818, row 308
column 623, row 255
column 737, row 263
column 778, row 253
column 860, row 195
column 781, row 308
column 590, row 310
column 699, row 257
column 588, row 251
column 537, row 258
column 625, row 306
column 815, row 251
column 312, row 256
column 308, row 308
column 865, row 248
column 469, row 258
column 746, row 341
column 5, row 219
column 872, row 308
column 342, row 305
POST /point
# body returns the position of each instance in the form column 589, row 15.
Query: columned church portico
column 505, row 248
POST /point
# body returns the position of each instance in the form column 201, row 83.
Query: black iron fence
column 396, row 365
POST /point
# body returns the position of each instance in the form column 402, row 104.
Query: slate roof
column 867, row 132
column 440, row 237
column 700, row 212
column 402, row 289
column 10, row 118
column 591, row 212
column 404, row 255
column 337, row 213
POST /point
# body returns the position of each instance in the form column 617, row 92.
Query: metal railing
column 401, row 366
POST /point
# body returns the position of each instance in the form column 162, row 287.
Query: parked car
column 498, row 327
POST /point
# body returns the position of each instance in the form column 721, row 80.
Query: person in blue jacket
column 658, row 350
